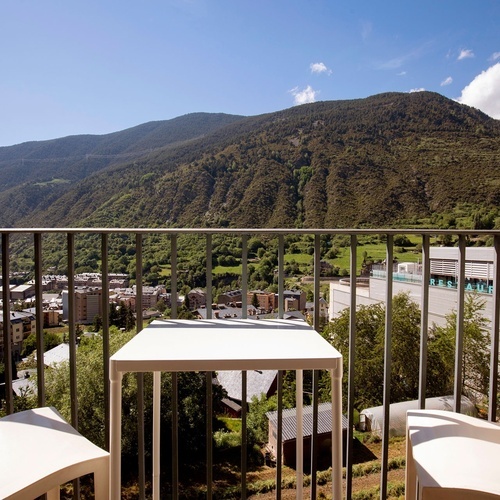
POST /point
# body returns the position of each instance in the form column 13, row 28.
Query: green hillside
column 34, row 174
column 373, row 162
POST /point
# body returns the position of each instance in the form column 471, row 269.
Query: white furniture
column 215, row 345
column 451, row 456
column 39, row 451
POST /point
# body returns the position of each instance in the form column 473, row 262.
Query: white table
column 216, row 345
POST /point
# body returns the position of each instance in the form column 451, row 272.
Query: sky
column 100, row 66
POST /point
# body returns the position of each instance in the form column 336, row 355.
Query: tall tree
column 405, row 351
column 476, row 356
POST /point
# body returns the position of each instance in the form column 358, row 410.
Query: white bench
column 39, row 451
column 451, row 456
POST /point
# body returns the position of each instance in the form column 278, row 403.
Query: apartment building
column 21, row 325
column 88, row 304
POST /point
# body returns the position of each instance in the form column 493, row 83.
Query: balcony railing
column 463, row 236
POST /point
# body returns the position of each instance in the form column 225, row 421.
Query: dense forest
column 372, row 162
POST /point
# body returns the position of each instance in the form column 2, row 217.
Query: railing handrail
column 253, row 230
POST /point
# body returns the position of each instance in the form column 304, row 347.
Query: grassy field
column 367, row 250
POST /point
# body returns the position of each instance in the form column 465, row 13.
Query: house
column 298, row 297
column 56, row 355
column 289, row 435
column 21, row 325
column 22, row 292
column 196, row 298
column 323, row 309
column 223, row 311
column 259, row 382
column 231, row 297
column 267, row 300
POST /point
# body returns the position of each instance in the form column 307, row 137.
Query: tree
column 50, row 340
column 370, row 339
column 476, row 357
column 257, row 420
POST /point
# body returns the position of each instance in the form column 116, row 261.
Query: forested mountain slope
column 34, row 174
column 372, row 161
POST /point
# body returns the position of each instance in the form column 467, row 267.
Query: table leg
column 410, row 474
column 115, row 436
column 156, row 434
column 337, row 433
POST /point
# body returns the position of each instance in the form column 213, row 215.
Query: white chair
column 451, row 456
column 39, row 451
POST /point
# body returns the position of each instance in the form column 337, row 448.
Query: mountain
column 373, row 161
column 34, row 174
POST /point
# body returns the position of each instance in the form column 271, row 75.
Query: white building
column 407, row 277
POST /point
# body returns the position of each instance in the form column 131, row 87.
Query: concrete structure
column 372, row 419
column 442, row 284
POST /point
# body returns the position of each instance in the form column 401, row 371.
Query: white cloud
column 495, row 56
column 402, row 73
column 484, row 92
column 421, row 89
column 304, row 96
column 320, row 68
column 465, row 54
column 447, row 81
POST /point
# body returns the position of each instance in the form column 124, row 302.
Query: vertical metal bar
column 314, row 434
column 7, row 336
column 279, row 437
column 317, row 273
column 138, row 283
column 156, row 433
column 387, row 368
column 140, row 376
column 175, row 380
column 352, row 362
column 243, row 435
column 281, row 272
column 173, row 276
column 244, row 276
column 72, row 329
column 299, row 465
column 459, row 342
column 493, row 387
column 105, row 328
column 424, row 322
column 72, row 344
column 40, row 344
column 175, row 436
column 209, row 276
column 209, row 435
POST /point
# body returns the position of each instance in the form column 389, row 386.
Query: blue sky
column 99, row 66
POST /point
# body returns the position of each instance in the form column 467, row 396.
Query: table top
column 226, row 344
